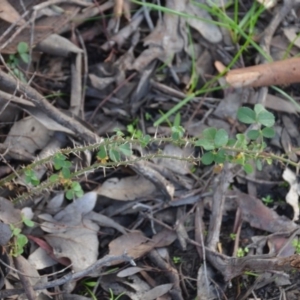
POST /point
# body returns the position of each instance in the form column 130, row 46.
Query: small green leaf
column 16, row 231
column 209, row 133
column 221, row 138
column 220, row 156
column 125, row 149
column 54, row 178
column 231, row 142
column 28, row 222
column 25, row 57
column 207, row 140
column 114, row 155
column 144, row 140
column 76, row 186
column 246, row 115
column 253, row 134
column 22, row 240
column 177, row 120
column 258, row 164
column 263, row 116
column 268, row 132
column 241, row 141
column 258, row 108
column 248, row 168
column 66, row 173
column 66, row 164
column 207, row 158
column 69, row 194
column 102, row 154
column 79, row 193
column 205, row 144
column 22, row 47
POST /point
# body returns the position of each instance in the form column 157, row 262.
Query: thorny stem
column 117, row 140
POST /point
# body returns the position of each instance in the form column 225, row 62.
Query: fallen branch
column 276, row 73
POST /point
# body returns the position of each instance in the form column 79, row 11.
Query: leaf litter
column 128, row 68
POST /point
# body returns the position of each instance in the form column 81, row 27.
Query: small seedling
column 88, row 284
column 241, row 252
column 20, row 240
column 176, row 260
column 268, row 199
column 31, row 178
column 14, row 60
column 133, row 130
column 112, row 296
column 232, row 236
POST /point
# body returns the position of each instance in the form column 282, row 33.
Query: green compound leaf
column 207, row 158
column 246, row 115
column 253, row 134
column 268, row 132
column 248, row 168
column 59, row 161
column 263, row 116
column 221, row 138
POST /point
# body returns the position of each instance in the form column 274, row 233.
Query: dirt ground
column 149, row 149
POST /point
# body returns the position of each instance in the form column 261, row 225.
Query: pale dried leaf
column 9, row 14
column 105, row 221
column 30, row 134
column 208, row 30
column 158, row 291
column 79, row 244
column 128, row 188
column 292, row 33
column 129, row 271
column 9, row 214
column 40, row 259
column 57, row 45
column 178, row 166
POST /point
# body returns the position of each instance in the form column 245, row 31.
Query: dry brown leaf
column 260, row 216
column 9, row 14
